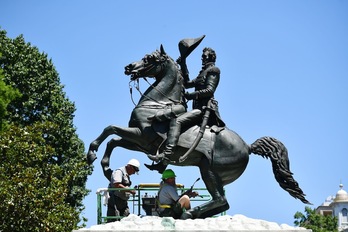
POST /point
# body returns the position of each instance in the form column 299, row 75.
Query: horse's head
column 149, row 66
column 168, row 87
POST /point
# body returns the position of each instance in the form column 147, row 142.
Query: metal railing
column 144, row 199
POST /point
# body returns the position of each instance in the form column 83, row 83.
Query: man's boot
column 172, row 139
column 160, row 167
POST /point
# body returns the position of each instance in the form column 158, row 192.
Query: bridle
column 163, row 60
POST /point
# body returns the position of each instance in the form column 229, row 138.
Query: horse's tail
column 272, row 148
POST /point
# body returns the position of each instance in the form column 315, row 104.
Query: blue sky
column 284, row 73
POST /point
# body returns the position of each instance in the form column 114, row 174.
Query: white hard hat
column 134, row 163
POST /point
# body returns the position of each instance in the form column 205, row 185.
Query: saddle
column 188, row 137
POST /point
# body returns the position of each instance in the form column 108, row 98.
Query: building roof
column 341, row 195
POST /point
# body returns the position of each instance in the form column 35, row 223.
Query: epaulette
column 213, row 69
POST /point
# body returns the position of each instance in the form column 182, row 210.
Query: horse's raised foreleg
column 214, row 186
column 127, row 133
column 115, row 142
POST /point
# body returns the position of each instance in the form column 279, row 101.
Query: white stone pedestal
column 236, row 223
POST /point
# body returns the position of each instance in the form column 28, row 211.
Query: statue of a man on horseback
column 196, row 138
column 204, row 107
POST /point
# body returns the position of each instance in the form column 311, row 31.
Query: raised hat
column 186, row 46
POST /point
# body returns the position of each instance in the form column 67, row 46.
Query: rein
column 175, row 102
column 136, row 85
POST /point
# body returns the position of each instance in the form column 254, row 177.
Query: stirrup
column 156, row 158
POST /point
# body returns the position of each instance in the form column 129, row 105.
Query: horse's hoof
column 91, row 157
column 107, row 173
column 186, row 215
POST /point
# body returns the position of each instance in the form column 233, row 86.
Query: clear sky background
column 284, row 73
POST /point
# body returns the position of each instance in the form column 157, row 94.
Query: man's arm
column 212, row 81
column 117, row 181
column 126, row 188
column 173, row 194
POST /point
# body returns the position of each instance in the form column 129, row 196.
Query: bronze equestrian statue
column 221, row 154
column 204, row 107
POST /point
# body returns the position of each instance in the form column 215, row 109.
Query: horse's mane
column 178, row 70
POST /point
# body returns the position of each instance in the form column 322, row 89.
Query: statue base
column 234, row 223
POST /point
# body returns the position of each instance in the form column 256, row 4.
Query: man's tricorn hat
column 186, row 46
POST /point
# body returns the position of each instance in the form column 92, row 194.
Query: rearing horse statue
column 221, row 155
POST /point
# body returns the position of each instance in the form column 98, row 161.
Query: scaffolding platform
column 144, row 201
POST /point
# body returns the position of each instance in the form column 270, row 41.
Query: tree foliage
column 33, row 190
column 315, row 221
column 7, row 94
column 43, row 160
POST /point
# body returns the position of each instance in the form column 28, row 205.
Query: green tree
column 315, row 221
column 63, row 167
column 33, row 190
column 7, row 94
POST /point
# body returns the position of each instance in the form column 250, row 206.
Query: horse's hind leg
column 214, row 186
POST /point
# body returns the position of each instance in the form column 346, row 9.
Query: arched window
column 344, row 215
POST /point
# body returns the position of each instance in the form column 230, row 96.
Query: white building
column 337, row 206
